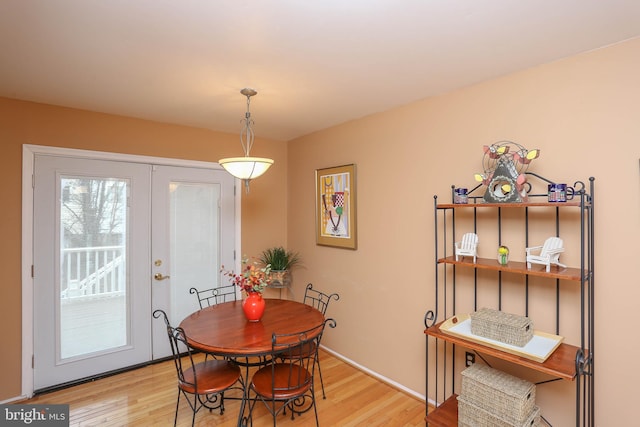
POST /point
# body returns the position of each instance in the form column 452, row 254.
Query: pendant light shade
column 246, row 168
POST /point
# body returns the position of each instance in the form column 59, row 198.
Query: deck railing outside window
column 93, row 272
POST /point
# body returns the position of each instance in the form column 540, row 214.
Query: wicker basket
column 506, row 397
column 504, row 327
column 470, row 415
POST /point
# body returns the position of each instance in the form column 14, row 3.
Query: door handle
column 159, row 276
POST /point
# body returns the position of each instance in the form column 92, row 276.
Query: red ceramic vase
column 253, row 306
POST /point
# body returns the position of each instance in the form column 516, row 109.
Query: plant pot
column 253, row 306
column 280, row 279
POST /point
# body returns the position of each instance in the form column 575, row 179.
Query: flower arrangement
column 253, row 278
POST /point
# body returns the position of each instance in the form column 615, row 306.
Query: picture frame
column 336, row 206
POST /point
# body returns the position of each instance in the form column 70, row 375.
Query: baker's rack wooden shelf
column 570, row 361
column 569, row 273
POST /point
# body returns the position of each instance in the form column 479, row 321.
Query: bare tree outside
column 93, row 212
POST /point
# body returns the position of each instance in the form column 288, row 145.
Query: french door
column 193, row 237
column 114, row 240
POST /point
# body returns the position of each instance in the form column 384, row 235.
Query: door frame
column 29, row 152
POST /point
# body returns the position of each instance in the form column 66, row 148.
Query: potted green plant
column 281, row 262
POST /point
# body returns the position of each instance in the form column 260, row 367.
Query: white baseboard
column 13, row 399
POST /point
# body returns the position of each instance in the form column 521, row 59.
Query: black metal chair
column 288, row 382
column 209, row 297
column 318, row 299
column 205, row 381
column 321, row 301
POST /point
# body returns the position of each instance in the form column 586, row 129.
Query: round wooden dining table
column 222, row 329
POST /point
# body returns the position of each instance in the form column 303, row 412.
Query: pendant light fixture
column 246, row 168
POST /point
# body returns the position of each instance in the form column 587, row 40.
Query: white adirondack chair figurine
column 548, row 254
column 467, row 246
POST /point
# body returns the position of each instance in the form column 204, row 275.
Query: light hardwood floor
column 147, row 397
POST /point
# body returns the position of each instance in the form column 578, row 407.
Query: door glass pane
column 93, row 297
column 194, row 238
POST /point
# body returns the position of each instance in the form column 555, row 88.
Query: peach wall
column 263, row 222
column 582, row 112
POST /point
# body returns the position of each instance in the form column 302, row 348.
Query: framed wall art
column 336, row 207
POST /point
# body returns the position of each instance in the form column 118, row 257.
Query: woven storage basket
column 470, row 415
column 506, row 397
column 504, row 327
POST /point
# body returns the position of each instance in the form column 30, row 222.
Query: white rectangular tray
column 539, row 348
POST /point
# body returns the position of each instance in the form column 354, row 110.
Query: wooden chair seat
column 303, row 350
column 214, row 376
column 279, row 387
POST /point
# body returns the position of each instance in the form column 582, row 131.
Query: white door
column 95, row 224
column 193, row 236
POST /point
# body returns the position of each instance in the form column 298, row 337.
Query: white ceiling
column 314, row 64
